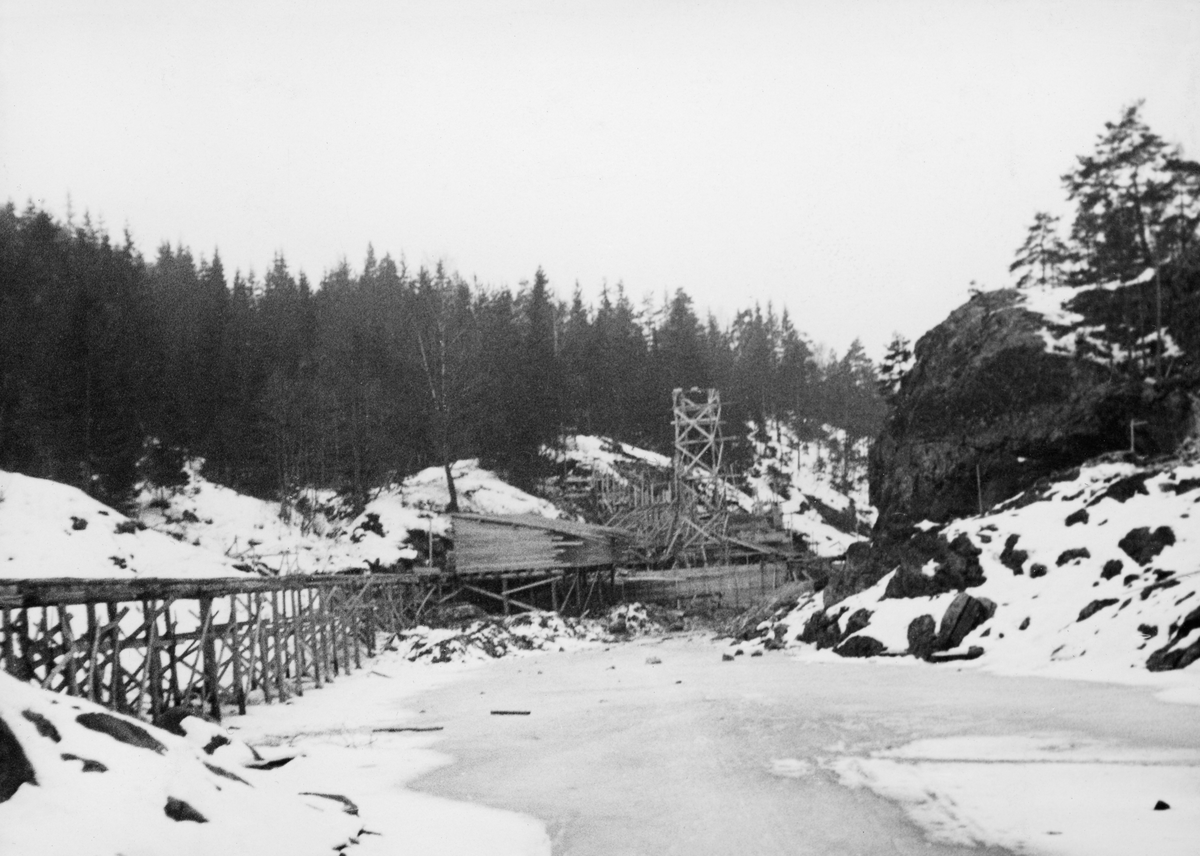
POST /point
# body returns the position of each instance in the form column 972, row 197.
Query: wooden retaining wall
column 735, row 586
column 142, row 646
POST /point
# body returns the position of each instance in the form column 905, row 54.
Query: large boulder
column 1015, row 386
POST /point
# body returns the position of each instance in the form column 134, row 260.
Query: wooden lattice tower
column 699, row 480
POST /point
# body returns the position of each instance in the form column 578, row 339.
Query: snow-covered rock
column 490, row 638
column 1099, row 570
column 81, row 779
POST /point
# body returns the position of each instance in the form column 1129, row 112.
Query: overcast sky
column 857, row 162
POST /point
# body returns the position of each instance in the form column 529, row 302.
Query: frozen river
column 779, row 754
column 700, row 756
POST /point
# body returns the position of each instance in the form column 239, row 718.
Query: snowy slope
column 97, row 782
column 254, row 533
column 48, row 529
column 324, row 537
column 806, row 481
column 1088, row 577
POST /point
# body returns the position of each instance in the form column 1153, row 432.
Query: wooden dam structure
column 565, row 565
column 145, row 645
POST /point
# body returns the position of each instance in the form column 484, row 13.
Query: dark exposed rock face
column 1013, row 558
column 822, row 630
column 986, row 411
column 1142, row 545
column 15, row 769
column 964, row 614
column 178, row 810
column 1071, row 555
column 1094, row 607
column 860, row 646
column 1172, row 657
column 922, row 636
column 120, row 729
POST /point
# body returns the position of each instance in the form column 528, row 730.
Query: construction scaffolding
column 680, row 519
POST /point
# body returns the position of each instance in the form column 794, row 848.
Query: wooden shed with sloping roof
column 497, row 544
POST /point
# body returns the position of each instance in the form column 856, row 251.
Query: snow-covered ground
column 653, row 746
column 48, row 529
column 89, row 781
column 202, row 529
column 1088, row 578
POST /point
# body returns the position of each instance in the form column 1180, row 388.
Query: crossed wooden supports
column 570, row 590
column 167, row 643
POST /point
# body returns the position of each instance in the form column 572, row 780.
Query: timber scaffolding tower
column 683, row 520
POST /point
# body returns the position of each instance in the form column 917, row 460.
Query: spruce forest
column 114, row 368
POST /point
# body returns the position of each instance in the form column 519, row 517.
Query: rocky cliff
column 1016, row 385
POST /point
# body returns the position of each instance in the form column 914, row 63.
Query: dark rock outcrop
column 860, row 646
column 1171, row 657
column 957, row 564
column 1123, row 490
column 44, row 726
column 179, row 810
column 1013, row 558
column 121, row 729
column 1094, row 607
column 922, row 636
column 1071, row 555
column 857, row 621
column 15, row 769
column 822, row 629
column 986, row 411
column 964, row 614
column 1142, row 545
column 89, row 765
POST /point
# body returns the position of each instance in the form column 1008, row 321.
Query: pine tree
column 1121, row 192
column 895, row 365
column 1041, row 257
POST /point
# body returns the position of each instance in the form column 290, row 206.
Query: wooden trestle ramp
column 142, row 646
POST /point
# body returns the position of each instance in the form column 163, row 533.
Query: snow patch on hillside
column 807, row 480
column 606, row 456
column 1066, row 334
column 315, row 533
column 480, row 491
column 265, row 536
column 48, row 529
